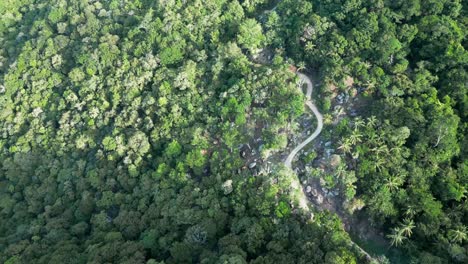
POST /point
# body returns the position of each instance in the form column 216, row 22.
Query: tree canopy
column 123, row 126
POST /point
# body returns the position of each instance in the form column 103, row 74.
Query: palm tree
column 301, row 66
column 367, row 65
column 397, row 237
column 327, row 119
column 338, row 111
column 369, row 85
column 345, row 146
column 380, row 149
column 458, row 235
column 378, row 164
column 358, row 122
column 377, row 141
column 371, row 122
column 393, row 183
column 309, row 46
column 340, row 171
column 373, row 138
column 355, row 137
column 407, row 227
column 410, row 211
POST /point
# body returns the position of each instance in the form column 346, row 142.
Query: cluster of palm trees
column 402, row 232
column 382, row 148
column 405, row 230
column 356, row 136
column 365, row 135
column 364, row 132
column 347, row 180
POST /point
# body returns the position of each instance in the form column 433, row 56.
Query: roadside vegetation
column 139, row 131
column 403, row 156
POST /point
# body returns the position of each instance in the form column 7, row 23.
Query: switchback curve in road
column 304, row 79
column 288, row 162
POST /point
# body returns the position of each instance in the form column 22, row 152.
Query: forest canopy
column 123, row 126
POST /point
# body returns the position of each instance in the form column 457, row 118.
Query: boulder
column 243, row 154
column 314, row 192
column 319, row 199
column 335, row 160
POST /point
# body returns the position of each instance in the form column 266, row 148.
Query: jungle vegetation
column 120, row 122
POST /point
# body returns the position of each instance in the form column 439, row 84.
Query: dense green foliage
column 120, row 124
column 408, row 153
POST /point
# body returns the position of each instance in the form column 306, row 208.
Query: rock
column 319, row 199
column 308, row 189
column 314, row 192
column 2, row 89
column 227, row 187
column 327, row 144
column 252, row 165
column 335, row 160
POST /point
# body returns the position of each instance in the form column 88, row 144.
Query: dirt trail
column 318, row 115
column 296, row 185
column 303, row 201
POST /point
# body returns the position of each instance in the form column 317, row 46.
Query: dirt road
column 304, row 79
column 303, row 202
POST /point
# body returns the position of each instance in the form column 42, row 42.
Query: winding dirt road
column 295, row 184
column 304, row 79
